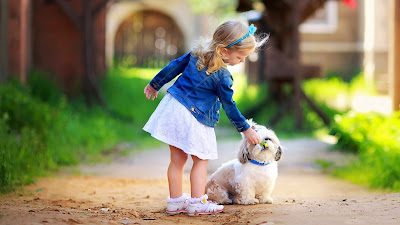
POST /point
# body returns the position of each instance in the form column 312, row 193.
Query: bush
column 40, row 130
column 376, row 139
column 44, row 88
column 24, row 127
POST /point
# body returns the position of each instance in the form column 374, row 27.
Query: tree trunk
column 84, row 23
column 91, row 85
column 4, row 42
column 294, row 55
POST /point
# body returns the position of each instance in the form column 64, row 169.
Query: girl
column 186, row 116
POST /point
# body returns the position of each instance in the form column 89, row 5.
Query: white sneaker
column 198, row 206
column 177, row 205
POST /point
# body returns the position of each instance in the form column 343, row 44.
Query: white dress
column 173, row 124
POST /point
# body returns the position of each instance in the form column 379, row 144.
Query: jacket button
column 240, row 128
column 215, row 125
column 154, row 85
column 192, row 109
column 217, row 111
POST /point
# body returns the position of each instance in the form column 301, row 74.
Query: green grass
column 123, row 90
column 39, row 133
column 376, row 140
column 373, row 137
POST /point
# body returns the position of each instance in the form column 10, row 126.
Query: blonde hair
column 209, row 52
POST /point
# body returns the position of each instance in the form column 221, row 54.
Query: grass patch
column 41, row 131
column 324, row 164
column 376, row 140
column 373, row 137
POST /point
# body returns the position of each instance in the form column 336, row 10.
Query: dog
column 250, row 179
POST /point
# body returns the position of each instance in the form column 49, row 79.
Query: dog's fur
column 241, row 182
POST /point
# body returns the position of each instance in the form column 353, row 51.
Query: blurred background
column 72, row 74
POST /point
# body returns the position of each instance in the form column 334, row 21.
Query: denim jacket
column 200, row 93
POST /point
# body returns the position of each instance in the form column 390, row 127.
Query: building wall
column 192, row 26
column 376, row 31
column 148, row 39
column 338, row 50
column 359, row 43
column 58, row 46
column 19, row 38
column 42, row 36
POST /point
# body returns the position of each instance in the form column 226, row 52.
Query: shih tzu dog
column 250, row 179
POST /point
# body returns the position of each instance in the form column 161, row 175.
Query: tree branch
column 99, row 7
column 71, row 13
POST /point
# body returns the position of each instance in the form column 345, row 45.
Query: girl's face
column 235, row 57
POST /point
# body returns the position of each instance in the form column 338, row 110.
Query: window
column 325, row 20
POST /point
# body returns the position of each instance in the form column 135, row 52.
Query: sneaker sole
column 176, row 212
column 204, row 213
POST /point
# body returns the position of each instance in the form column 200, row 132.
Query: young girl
column 186, row 116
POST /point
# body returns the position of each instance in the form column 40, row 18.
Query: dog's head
column 271, row 151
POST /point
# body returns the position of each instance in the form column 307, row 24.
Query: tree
column 84, row 23
column 4, row 41
column 282, row 20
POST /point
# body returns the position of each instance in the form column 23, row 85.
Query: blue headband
column 252, row 30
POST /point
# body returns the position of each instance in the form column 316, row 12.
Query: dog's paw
column 267, row 200
column 251, row 201
column 222, row 201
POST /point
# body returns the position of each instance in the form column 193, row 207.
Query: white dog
column 251, row 178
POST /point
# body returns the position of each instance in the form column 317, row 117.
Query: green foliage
column 248, row 96
column 123, row 89
column 376, row 139
column 24, row 110
column 335, row 94
column 24, row 126
column 372, row 136
column 224, row 7
column 44, row 88
column 324, row 164
column 40, row 130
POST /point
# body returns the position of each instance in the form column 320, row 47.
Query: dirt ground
column 133, row 190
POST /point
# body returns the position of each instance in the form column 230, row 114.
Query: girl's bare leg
column 198, row 177
column 175, row 171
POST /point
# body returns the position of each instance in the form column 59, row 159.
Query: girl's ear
column 223, row 52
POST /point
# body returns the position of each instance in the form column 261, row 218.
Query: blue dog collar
column 258, row 163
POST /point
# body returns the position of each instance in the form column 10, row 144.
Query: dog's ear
column 251, row 122
column 243, row 154
column 278, row 154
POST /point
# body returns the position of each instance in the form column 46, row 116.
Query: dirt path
column 133, row 190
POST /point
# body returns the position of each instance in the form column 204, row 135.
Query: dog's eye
column 267, row 139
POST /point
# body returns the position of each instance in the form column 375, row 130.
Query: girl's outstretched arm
column 150, row 92
column 169, row 72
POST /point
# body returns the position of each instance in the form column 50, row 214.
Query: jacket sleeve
column 225, row 94
column 169, row 72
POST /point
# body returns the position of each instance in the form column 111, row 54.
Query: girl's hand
column 251, row 136
column 149, row 91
